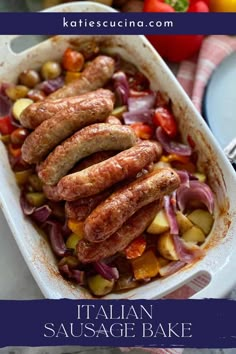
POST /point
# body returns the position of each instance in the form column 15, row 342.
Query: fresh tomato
column 223, row 5
column 157, row 6
column 176, row 48
column 6, row 126
column 164, row 118
column 72, row 60
column 136, row 248
column 142, row 130
column 207, row 2
column 198, row 6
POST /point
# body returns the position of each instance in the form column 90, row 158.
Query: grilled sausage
column 96, row 137
column 88, row 252
column 81, row 208
column 110, row 215
column 85, row 163
column 93, row 159
column 99, row 177
column 52, row 131
column 94, row 76
column 113, row 120
column 38, row 112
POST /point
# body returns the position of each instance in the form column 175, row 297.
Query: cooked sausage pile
column 86, row 157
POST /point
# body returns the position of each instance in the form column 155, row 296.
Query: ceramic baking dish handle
column 6, row 53
column 220, row 285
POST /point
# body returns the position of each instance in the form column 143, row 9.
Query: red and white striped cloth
column 194, row 74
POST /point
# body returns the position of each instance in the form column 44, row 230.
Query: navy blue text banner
column 117, row 23
column 158, row 323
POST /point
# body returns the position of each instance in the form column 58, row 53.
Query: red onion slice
column 106, row 271
column 187, row 253
column 73, row 274
column 50, row 86
column 170, row 213
column 184, row 177
column 170, row 146
column 121, row 88
column 142, row 116
column 171, row 268
column 40, row 215
column 196, row 192
column 26, row 207
column 141, row 103
column 56, row 239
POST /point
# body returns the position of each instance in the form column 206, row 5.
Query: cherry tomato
column 18, row 136
column 6, row 126
column 72, row 60
column 164, row 118
column 142, row 130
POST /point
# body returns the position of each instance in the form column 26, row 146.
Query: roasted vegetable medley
column 102, row 170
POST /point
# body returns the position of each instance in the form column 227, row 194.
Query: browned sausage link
column 96, row 137
column 88, row 252
column 93, row 159
column 99, row 177
column 51, row 132
column 36, row 113
column 94, row 76
column 52, row 192
column 113, row 120
column 81, row 208
column 110, row 215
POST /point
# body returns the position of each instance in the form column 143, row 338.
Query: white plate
column 220, row 101
column 219, row 261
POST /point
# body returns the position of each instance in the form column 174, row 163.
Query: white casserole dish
column 219, row 261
